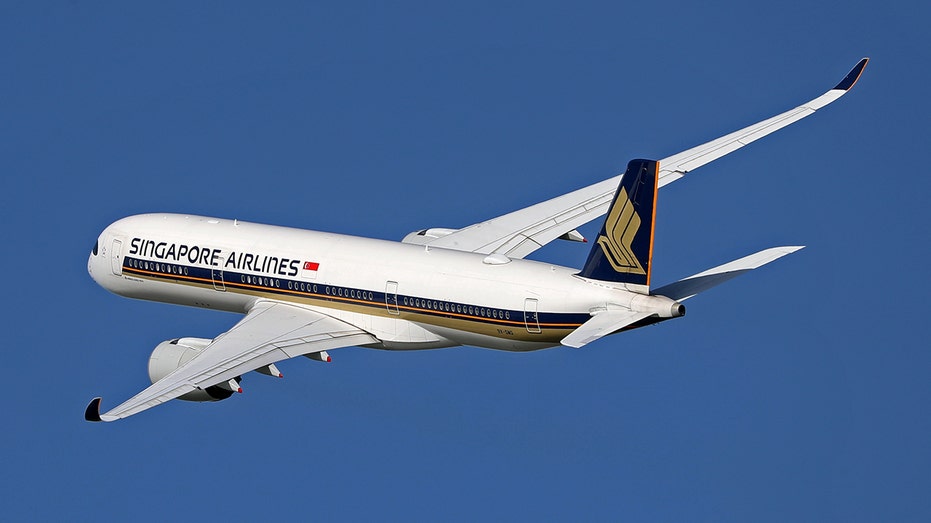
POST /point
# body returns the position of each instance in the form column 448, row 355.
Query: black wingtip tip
column 92, row 412
column 852, row 76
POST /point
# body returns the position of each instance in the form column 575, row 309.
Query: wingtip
column 92, row 412
column 779, row 252
column 853, row 75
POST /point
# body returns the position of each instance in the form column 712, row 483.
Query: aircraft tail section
column 666, row 302
column 624, row 248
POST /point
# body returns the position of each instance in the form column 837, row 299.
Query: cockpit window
column 95, row 249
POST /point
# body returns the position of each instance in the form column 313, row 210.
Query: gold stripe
column 653, row 223
column 457, row 321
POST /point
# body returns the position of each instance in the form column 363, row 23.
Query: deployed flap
column 521, row 232
column 270, row 332
column 601, row 325
column 685, row 289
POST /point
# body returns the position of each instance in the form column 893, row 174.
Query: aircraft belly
column 512, row 344
column 393, row 333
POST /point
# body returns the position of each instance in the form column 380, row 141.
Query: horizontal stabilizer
column 601, row 325
column 685, row 289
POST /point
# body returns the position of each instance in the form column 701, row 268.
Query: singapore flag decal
column 310, row 270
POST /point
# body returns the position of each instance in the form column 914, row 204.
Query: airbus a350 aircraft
column 304, row 292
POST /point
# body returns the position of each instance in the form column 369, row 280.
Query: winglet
column 92, row 412
column 852, row 76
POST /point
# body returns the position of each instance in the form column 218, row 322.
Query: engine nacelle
column 172, row 354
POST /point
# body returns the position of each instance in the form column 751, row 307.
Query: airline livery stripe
column 373, row 299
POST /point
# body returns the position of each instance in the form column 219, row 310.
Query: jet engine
column 172, row 354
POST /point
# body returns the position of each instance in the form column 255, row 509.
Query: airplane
column 305, row 293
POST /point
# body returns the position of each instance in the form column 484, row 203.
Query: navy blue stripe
column 363, row 297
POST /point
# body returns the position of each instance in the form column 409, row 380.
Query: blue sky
column 797, row 393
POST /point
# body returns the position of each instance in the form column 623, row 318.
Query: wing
column 521, row 232
column 270, row 332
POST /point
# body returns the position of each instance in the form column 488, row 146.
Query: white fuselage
column 407, row 296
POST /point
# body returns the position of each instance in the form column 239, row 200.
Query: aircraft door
column 391, row 297
column 216, row 274
column 116, row 257
column 531, row 318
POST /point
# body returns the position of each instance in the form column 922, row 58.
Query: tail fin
column 624, row 247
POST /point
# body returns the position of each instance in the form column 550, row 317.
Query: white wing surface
column 521, row 232
column 601, row 325
column 688, row 287
column 270, row 332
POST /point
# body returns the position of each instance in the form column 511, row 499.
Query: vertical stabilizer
column 624, row 248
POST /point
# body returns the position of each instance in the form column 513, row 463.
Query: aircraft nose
column 91, row 259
